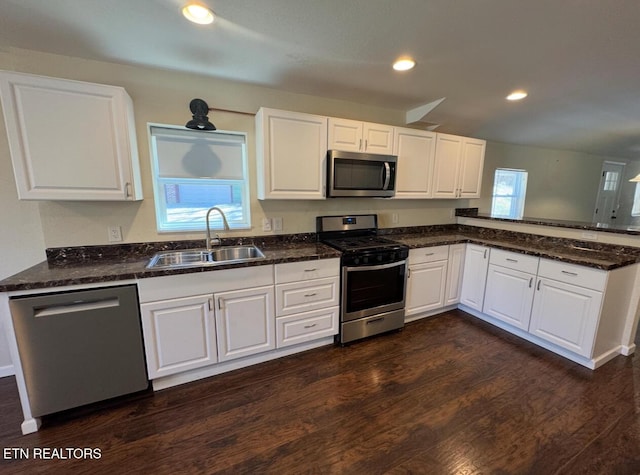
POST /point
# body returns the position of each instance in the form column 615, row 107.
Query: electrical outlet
column 395, row 219
column 277, row 224
column 589, row 235
column 115, row 233
column 266, row 224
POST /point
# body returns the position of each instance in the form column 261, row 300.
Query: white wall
column 163, row 96
column 561, row 184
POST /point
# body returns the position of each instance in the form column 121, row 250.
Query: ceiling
column 578, row 59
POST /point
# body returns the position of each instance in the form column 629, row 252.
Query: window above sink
column 194, row 170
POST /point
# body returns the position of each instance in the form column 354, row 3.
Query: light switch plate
column 277, row 223
column 115, row 233
column 266, row 224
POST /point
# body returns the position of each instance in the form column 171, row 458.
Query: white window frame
column 517, row 198
column 635, row 209
column 163, row 224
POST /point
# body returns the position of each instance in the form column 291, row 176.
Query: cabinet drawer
column 298, row 297
column 588, row 277
column 514, row 260
column 428, row 254
column 306, row 326
column 306, row 270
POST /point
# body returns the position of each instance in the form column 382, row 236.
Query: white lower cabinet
column 245, row 322
column 455, row 268
column 476, row 262
column 307, row 301
column 179, row 335
column 564, row 313
column 427, row 278
column 510, row 287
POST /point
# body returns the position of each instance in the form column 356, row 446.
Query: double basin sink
column 204, row 257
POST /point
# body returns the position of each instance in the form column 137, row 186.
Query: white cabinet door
column 179, row 335
column 415, row 150
column 566, row 315
column 446, row 166
column 476, row 262
column 426, row 287
column 459, row 162
column 245, row 322
column 345, row 135
column 355, row 136
column 291, row 152
column 70, row 140
column 509, row 295
column 471, row 166
column 377, row 138
column 455, row 267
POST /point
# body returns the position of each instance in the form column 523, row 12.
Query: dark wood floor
column 448, row 395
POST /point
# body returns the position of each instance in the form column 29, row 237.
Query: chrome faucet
column 224, row 221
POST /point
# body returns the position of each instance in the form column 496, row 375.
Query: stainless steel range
column 374, row 275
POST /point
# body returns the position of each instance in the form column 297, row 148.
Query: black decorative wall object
column 199, row 120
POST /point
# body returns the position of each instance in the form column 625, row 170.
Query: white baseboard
column 7, row 371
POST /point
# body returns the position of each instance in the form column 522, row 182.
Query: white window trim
column 159, row 198
column 520, row 198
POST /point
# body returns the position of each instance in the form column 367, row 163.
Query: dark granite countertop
column 95, row 264
column 58, row 272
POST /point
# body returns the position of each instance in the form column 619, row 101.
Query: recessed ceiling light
column 404, row 64
column 198, row 14
column 517, row 95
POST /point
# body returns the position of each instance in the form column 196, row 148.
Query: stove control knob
column 356, row 260
column 379, row 257
column 365, row 260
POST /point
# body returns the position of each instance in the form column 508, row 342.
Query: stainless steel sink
column 202, row 257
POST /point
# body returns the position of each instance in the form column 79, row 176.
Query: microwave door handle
column 386, row 175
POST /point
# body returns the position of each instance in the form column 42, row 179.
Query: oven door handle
column 379, row 267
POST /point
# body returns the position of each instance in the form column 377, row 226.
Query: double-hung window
column 509, row 190
column 194, row 170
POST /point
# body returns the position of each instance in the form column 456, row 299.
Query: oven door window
column 374, row 288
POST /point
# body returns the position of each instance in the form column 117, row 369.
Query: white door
column 345, row 135
column 446, row 166
column 566, row 315
column 378, row 138
column 179, row 335
column 245, row 322
column 291, row 154
column 509, row 296
column 608, row 200
column 454, row 273
column 415, row 150
column 425, row 287
column 476, row 262
column 471, row 165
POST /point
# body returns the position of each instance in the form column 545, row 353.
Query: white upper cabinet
column 415, row 150
column 70, row 140
column 458, row 166
column 291, row 153
column 355, row 136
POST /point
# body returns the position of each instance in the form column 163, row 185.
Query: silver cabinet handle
column 485, row 254
column 512, row 260
column 311, row 326
column 539, row 284
column 429, row 254
column 219, row 304
column 574, row 274
column 366, row 145
column 530, row 282
column 127, row 190
column 311, row 295
column 311, row 270
column 360, row 145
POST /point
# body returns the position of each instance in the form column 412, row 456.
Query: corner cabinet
column 291, row 153
column 415, row 150
column 458, row 167
column 70, row 140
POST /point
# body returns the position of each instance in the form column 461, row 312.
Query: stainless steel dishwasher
column 79, row 347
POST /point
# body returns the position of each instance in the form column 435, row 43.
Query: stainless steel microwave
column 351, row 174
